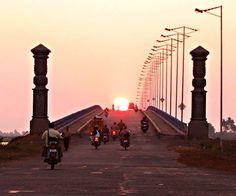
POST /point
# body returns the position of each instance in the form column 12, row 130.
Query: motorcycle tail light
column 113, row 132
column 96, row 139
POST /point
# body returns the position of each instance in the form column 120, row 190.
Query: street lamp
column 171, row 62
column 184, row 34
column 177, row 69
column 166, row 71
column 221, row 61
column 160, row 73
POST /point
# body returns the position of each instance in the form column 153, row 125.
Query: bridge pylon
column 198, row 126
column 40, row 121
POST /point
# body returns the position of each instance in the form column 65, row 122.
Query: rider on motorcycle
column 95, row 133
column 114, row 127
column 121, row 125
column 105, row 131
column 144, row 121
column 51, row 135
column 124, row 134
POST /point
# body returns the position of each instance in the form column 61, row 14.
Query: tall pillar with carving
column 40, row 121
column 198, row 126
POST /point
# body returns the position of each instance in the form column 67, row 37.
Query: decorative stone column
column 198, row 126
column 40, row 121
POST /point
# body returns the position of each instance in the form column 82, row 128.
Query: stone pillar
column 40, row 121
column 198, row 126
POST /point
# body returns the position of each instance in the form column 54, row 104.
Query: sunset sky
column 98, row 49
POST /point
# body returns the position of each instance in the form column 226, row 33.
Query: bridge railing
column 72, row 118
column 172, row 121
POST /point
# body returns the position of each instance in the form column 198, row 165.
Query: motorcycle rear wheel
column 52, row 166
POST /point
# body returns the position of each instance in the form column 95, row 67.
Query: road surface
column 148, row 167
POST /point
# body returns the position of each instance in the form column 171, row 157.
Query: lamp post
column 164, row 55
column 184, row 34
column 141, row 94
column 221, row 60
column 156, row 78
column 166, row 76
column 161, row 73
column 177, row 70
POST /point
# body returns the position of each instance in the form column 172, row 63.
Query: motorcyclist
column 114, row 127
column 124, row 134
column 96, row 133
column 144, row 121
column 51, row 134
column 105, row 131
column 121, row 125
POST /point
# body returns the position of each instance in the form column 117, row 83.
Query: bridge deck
column 148, row 167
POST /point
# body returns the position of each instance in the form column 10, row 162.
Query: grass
column 21, row 147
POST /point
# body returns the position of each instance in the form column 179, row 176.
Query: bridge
column 148, row 167
column 198, row 126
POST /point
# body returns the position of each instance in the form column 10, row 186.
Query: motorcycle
column 124, row 143
column 144, row 126
column 105, row 138
column 52, row 156
column 96, row 142
column 114, row 134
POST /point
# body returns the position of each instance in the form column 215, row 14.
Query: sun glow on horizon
column 121, row 103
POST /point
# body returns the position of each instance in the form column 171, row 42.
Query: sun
column 121, row 103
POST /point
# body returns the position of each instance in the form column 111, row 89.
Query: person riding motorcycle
column 51, row 134
column 95, row 133
column 121, row 125
column 144, row 121
column 105, row 131
column 115, row 128
column 144, row 124
column 124, row 134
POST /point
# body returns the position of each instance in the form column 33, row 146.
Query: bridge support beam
column 198, row 126
column 40, row 121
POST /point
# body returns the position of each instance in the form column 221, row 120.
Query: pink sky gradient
column 98, row 48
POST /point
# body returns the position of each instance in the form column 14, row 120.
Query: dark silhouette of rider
column 121, row 125
column 124, row 134
column 144, row 120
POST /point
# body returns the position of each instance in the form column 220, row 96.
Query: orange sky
column 98, row 48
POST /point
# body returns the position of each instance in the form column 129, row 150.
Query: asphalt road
column 148, row 167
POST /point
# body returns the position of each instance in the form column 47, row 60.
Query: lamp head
column 167, row 29
column 198, row 10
